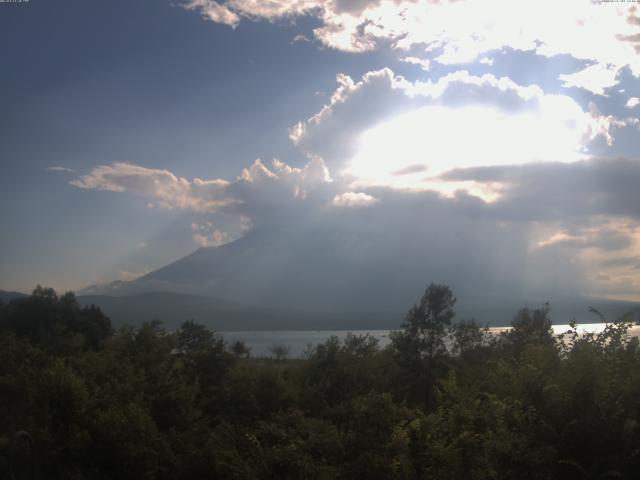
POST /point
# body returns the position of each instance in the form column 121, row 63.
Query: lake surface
column 260, row 341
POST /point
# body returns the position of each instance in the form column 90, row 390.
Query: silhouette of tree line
column 443, row 401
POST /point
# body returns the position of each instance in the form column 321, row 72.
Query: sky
column 135, row 131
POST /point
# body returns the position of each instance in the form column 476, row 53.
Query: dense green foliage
column 443, row 401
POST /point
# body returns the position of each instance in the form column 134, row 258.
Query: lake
column 297, row 340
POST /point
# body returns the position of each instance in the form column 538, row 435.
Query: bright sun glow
column 413, row 149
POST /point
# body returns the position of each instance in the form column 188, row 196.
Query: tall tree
column 420, row 346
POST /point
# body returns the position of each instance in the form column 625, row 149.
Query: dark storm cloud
column 625, row 261
column 561, row 190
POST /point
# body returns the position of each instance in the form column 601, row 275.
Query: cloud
column 633, row 102
column 300, row 38
column 384, row 123
column 621, row 262
column 560, row 191
column 474, row 180
column 410, row 170
column 260, row 193
column 204, row 235
column 605, row 239
column 214, row 11
column 353, row 199
column 608, row 249
column 457, row 32
column 131, row 276
column 422, row 63
column 274, row 9
column 354, row 7
column 596, row 78
column 161, row 186
column 549, row 230
column 61, row 169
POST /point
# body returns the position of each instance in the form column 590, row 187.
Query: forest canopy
column 445, row 400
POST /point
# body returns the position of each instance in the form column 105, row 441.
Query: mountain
column 8, row 296
column 280, row 270
column 174, row 308
column 314, row 277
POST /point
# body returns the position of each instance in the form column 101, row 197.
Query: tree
column 194, row 336
column 468, row 337
column 206, row 359
column 280, row 352
column 423, row 331
column 420, row 345
column 240, row 349
column 531, row 327
column 58, row 321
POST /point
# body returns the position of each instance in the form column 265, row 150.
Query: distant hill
column 8, row 296
column 174, row 308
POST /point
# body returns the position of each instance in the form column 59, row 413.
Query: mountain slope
column 279, row 269
column 174, row 308
column 8, row 296
column 363, row 277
